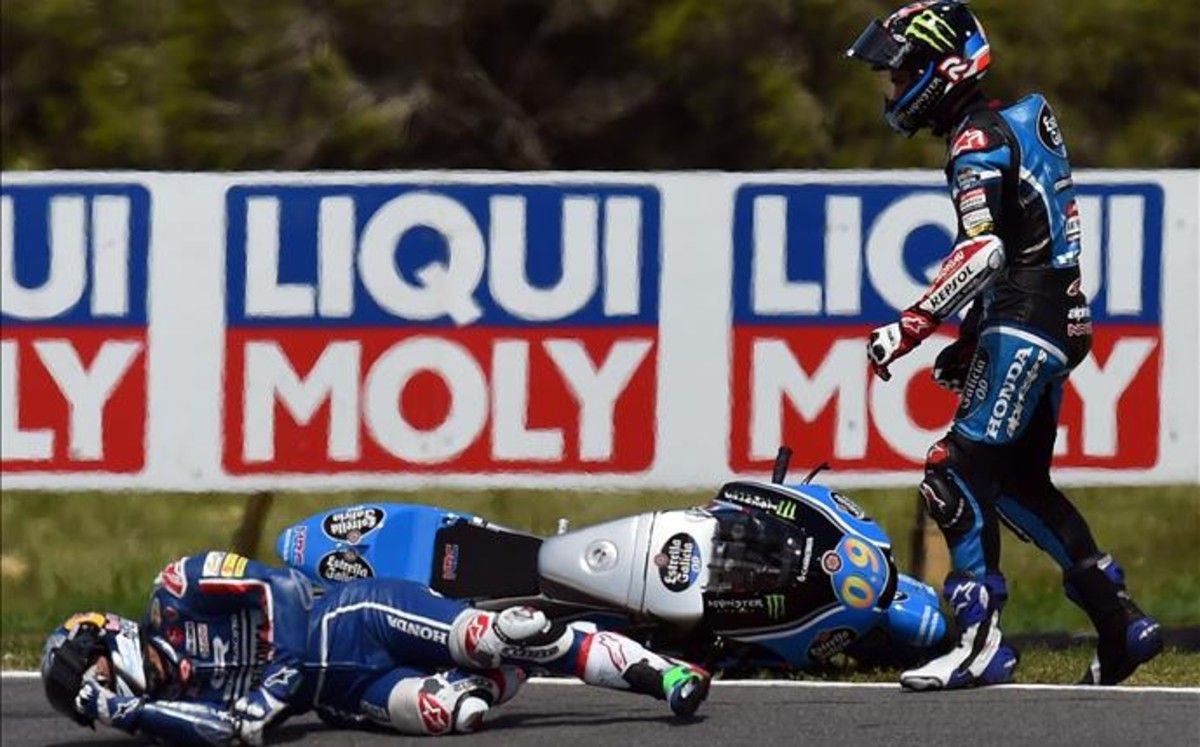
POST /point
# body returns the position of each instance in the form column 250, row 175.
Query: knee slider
column 439, row 704
column 945, row 501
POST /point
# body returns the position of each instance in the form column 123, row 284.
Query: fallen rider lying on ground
column 230, row 647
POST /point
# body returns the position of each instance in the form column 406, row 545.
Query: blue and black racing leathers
column 1028, row 326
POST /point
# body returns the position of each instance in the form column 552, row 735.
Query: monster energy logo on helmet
column 932, row 29
column 775, row 605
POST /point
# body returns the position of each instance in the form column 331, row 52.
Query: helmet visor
column 879, row 47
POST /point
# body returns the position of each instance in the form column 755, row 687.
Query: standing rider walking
column 1016, row 263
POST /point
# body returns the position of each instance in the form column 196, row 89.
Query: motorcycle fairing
column 471, row 560
column 845, row 581
column 399, row 544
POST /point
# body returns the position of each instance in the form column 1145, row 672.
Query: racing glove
column 897, row 339
column 98, row 703
column 259, row 708
column 952, row 364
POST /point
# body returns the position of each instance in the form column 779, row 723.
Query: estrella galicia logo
column 975, row 389
column 1049, row 133
column 829, row 642
column 351, row 524
column 679, row 562
column 344, row 565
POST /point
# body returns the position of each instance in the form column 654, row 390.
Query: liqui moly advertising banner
column 815, row 265
column 437, row 329
column 242, row 331
column 73, row 286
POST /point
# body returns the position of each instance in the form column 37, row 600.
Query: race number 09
column 856, row 591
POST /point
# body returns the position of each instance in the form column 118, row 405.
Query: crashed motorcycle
column 767, row 575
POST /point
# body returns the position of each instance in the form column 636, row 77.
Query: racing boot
column 981, row 656
column 1128, row 636
column 611, row 660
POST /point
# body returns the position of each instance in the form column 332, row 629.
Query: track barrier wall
column 323, row 330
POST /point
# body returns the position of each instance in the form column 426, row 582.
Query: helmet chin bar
column 915, row 108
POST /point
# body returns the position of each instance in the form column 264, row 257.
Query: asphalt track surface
column 566, row 715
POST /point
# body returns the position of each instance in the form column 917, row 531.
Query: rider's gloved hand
column 98, row 703
column 891, row 341
column 952, row 365
column 255, row 710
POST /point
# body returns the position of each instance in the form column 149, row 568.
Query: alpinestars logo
column 476, row 630
column 282, row 678
column 612, row 646
column 433, row 714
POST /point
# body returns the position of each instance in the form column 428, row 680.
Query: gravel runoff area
column 557, row 713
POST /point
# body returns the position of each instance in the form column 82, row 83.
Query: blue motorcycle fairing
column 384, row 540
column 845, row 510
column 914, row 618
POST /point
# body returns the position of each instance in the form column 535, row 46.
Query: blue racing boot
column 1128, row 636
column 981, row 656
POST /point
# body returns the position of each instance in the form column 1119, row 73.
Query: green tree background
column 565, row 84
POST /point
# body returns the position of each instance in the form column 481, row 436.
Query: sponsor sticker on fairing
column 679, row 562
column 344, row 565
column 829, row 642
column 352, row 523
column 299, row 542
column 449, row 562
column 831, row 562
column 844, row 503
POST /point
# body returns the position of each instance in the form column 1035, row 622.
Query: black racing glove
column 952, row 364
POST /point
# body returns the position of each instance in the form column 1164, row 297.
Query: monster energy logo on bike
column 775, row 605
column 932, row 29
column 784, row 509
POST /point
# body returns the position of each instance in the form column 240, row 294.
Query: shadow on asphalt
column 536, row 720
column 286, row 733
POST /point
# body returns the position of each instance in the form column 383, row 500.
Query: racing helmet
column 71, row 653
column 943, row 48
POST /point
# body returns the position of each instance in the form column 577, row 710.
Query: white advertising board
column 327, row 330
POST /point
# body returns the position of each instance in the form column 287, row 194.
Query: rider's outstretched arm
column 171, row 722
column 976, row 171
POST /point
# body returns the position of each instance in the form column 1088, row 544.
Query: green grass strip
column 66, row 552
